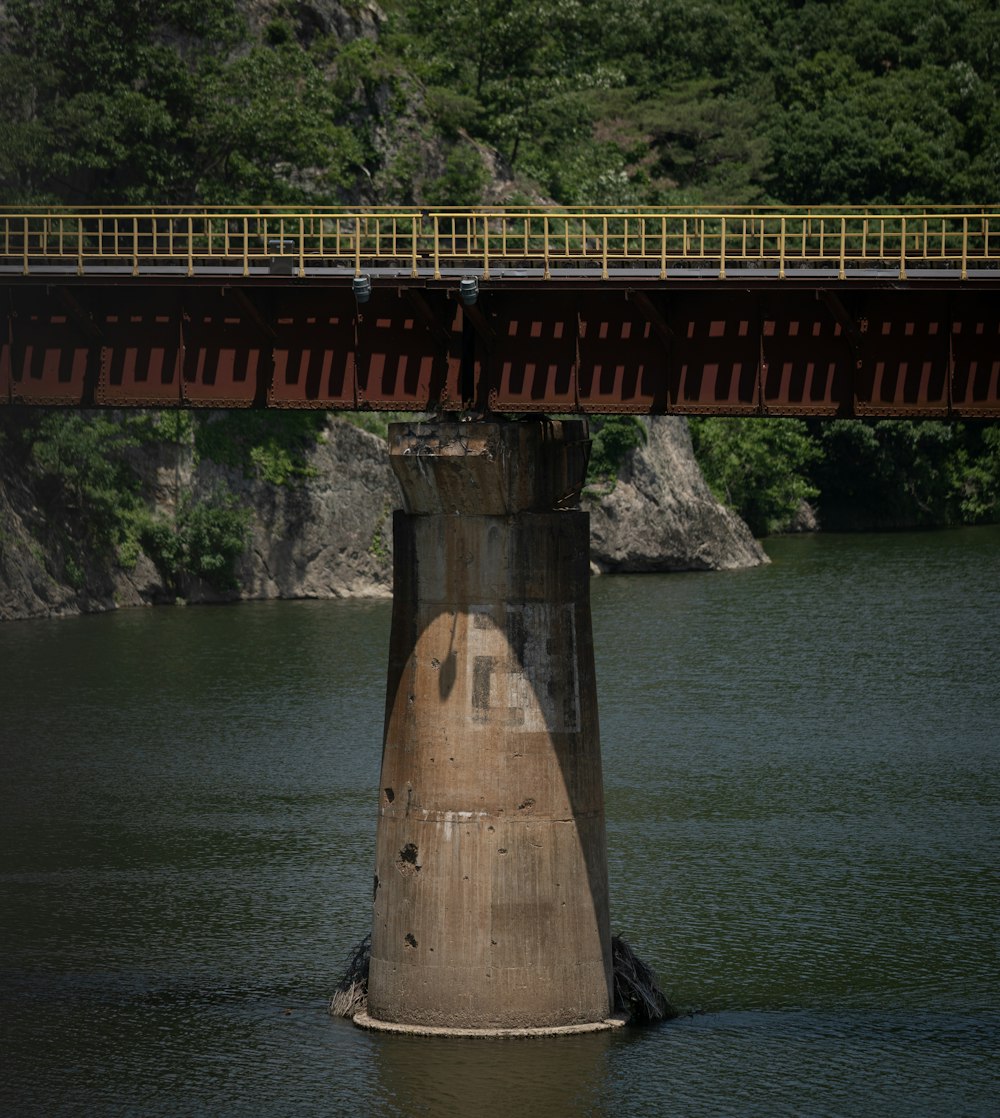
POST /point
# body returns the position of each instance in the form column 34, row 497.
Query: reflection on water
column 435, row 1077
column 802, row 802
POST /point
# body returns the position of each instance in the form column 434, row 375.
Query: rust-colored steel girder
column 696, row 346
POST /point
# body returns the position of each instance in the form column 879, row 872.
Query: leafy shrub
column 95, row 505
column 759, row 467
column 204, row 540
column 268, row 445
column 612, row 437
column 892, row 473
column 980, row 494
column 85, row 479
column 463, row 180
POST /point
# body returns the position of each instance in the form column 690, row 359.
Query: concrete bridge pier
column 490, row 892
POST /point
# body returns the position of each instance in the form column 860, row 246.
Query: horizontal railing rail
column 545, row 240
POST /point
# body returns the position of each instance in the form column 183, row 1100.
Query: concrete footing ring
column 363, row 1021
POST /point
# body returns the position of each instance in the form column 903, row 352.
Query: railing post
column 246, row 245
column 414, row 236
column 135, row 246
column 722, row 249
column 843, row 248
column 437, row 247
column 902, row 248
column 486, row 246
column 302, row 245
column 545, row 245
column 24, row 247
column 781, row 250
column 357, row 244
column 190, row 240
column 965, row 248
column 663, row 247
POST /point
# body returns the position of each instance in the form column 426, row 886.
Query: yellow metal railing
column 660, row 241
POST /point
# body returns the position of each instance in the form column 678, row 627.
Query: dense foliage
column 862, row 475
column 759, row 468
column 161, row 100
column 721, row 100
column 597, row 101
column 612, row 437
column 86, row 471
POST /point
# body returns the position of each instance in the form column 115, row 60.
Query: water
column 802, row 788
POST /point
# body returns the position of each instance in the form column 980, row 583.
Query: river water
column 803, row 798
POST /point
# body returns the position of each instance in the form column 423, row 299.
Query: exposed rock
column 329, row 535
column 804, row 519
column 661, row 516
column 26, row 587
column 312, row 18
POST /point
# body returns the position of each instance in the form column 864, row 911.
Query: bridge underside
column 560, row 345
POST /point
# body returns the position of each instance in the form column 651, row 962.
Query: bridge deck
column 742, row 313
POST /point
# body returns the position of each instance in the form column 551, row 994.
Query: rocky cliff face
column 330, row 534
column 661, row 516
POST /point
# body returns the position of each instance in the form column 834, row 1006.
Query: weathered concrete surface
column 491, row 900
column 364, row 1021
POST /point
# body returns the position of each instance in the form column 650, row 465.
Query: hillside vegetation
column 686, row 102
column 586, row 101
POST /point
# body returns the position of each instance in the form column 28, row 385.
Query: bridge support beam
column 491, row 897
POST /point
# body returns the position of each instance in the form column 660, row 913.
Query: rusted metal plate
column 52, row 348
column 766, row 349
column 227, row 349
column 975, row 347
column 904, row 352
column 141, row 351
column 532, row 360
column 715, row 354
column 623, row 354
column 409, row 350
column 314, row 350
column 808, row 362
column 5, row 347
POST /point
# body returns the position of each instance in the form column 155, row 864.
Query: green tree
column 86, row 481
column 122, row 100
column 890, row 474
column 612, row 437
column 980, row 484
column 759, row 467
column 96, row 507
column 204, row 540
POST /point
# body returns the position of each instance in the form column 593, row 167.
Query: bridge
column 799, row 312
column 490, row 900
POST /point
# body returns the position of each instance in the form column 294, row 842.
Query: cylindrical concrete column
column 491, row 898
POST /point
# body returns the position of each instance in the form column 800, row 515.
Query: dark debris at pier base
column 637, row 990
column 351, row 994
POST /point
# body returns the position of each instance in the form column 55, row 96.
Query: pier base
column 491, row 896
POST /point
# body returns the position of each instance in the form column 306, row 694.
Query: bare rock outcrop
column 312, row 18
column 660, row 514
column 327, row 536
column 27, row 589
